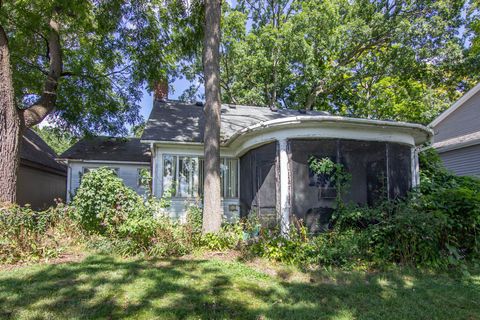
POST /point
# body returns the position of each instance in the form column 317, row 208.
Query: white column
column 69, row 182
column 415, row 168
column 153, row 168
column 284, row 187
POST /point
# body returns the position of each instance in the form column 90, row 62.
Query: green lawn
column 112, row 288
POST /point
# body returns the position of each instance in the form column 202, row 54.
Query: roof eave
column 427, row 132
column 456, row 105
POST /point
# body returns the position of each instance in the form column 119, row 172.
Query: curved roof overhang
column 314, row 127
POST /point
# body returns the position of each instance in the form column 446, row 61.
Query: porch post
column 415, row 168
column 284, row 187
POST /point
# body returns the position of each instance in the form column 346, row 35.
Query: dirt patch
column 228, row 256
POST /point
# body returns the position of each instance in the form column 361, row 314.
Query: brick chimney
column 160, row 90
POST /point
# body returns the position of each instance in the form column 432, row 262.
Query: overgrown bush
column 437, row 226
column 103, row 203
column 121, row 221
column 27, row 235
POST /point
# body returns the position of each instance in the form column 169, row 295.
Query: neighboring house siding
column 464, row 161
column 127, row 172
column 464, row 120
column 39, row 188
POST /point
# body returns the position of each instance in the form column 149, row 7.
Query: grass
column 104, row 287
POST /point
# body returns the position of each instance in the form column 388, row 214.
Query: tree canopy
column 59, row 140
column 110, row 50
column 400, row 60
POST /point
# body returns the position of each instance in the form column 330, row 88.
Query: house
column 41, row 179
column 457, row 134
column 127, row 156
column 264, row 159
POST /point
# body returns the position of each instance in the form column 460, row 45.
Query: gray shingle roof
column 35, row 150
column 109, row 149
column 184, row 122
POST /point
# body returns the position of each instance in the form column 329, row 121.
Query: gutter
column 330, row 119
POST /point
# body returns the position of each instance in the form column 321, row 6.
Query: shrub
column 103, row 202
column 436, row 226
column 229, row 237
column 26, row 235
column 292, row 249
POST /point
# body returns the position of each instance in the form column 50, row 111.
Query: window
column 143, row 177
column 229, row 177
column 88, row 169
column 169, row 172
column 185, row 175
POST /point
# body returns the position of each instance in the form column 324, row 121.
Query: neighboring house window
column 185, row 175
column 88, row 169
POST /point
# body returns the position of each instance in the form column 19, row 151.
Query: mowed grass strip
column 105, row 287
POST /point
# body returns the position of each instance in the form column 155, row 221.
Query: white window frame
column 88, row 169
column 200, row 160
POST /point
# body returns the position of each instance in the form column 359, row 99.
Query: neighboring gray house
column 457, row 134
column 127, row 156
column 41, row 179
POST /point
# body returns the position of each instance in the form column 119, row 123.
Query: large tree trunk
column 14, row 120
column 10, row 127
column 212, row 213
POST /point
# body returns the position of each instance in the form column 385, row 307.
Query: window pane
column 233, row 185
column 169, row 171
column 224, row 177
column 187, row 177
column 229, row 176
column 200, row 177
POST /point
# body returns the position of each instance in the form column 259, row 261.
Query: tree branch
column 46, row 103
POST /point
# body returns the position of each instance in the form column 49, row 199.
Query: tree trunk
column 212, row 212
column 14, row 120
column 10, row 127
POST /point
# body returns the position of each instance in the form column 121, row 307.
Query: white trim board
column 456, row 105
column 108, row 161
column 458, row 142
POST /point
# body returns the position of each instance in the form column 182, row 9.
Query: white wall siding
column 127, row 172
column 463, row 161
column 178, row 209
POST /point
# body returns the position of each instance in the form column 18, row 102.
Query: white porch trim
column 284, row 187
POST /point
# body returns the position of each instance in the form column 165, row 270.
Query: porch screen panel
column 365, row 161
column 400, row 170
column 313, row 196
column 258, row 184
